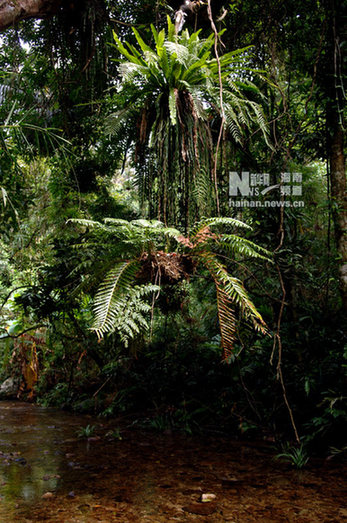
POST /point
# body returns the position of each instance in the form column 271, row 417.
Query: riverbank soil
column 49, row 474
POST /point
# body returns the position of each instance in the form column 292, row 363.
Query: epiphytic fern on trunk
column 120, row 304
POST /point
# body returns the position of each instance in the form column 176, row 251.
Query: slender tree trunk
column 339, row 203
column 335, row 142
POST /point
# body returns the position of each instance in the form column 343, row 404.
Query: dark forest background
column 85, row 136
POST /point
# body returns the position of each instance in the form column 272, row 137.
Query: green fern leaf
column 108, row 299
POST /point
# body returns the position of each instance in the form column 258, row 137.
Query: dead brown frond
column 25, row 354
column 166, row 267
column 204, row 235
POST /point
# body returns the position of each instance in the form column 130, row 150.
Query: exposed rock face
column 9, row 388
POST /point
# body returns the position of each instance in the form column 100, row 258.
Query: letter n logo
column 239, row 183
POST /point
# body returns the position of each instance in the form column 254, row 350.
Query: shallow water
column 48, row 474
column 32, row 460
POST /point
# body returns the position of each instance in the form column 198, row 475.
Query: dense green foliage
column 169, row 94
column 118, row 136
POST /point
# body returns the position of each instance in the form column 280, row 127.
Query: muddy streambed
column 48, row 474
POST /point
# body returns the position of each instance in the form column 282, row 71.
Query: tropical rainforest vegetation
column 133, row 281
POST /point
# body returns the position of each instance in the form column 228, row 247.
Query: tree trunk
column 339, row 201
column 335, row 143
column 13, row 11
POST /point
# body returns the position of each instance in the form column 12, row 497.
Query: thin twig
column 23, row 332
column 278, row 342
column 9, row 295
column 102, row 386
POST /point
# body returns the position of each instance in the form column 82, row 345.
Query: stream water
column 49, row 474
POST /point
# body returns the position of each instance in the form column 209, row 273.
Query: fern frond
column 86, row 223
column 238, row 294
column 115, row 121
column 132, row 318
column 236, row 244
column 108, row 299
column 232, row 291
column 172, row 106
column 150, row 224
column 203, row 191
column 116, row 221
column 227, row 322
column 212, row 222
column 171, row 232
column 131, row 72
column 178, row 51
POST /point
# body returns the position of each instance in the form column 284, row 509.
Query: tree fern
column 142, row 253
